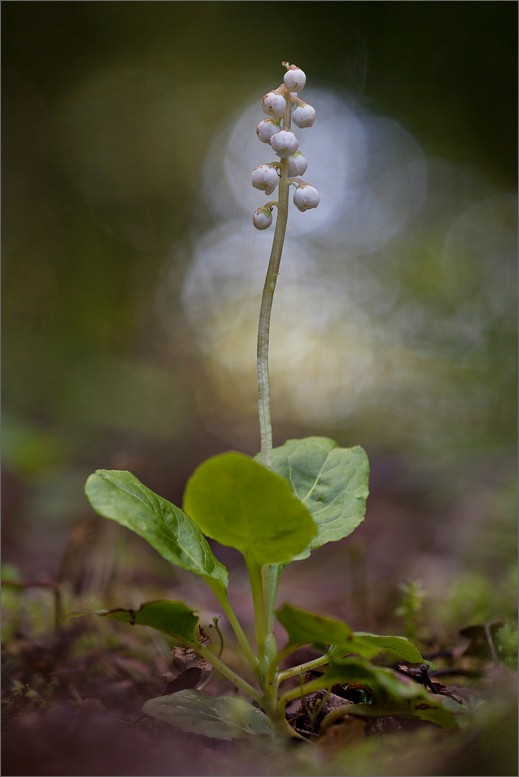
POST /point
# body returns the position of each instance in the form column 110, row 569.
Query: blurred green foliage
column 507, row 646
column 412, row 599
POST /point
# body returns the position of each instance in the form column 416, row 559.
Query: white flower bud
column 294, row 79
column 306, row 197
column 265, row 178
column 284, row 143
column 262, row 218
column 304, row 115
column 274, row 104
column 297, row 165
column 266, row 129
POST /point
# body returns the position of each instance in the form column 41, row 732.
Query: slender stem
column 266, row 306
column 272, row 675
column 301, row 668
column 284, row 727
column 228, row 673
column 271, row 575
column 236, row 627
column 302, row 690
column 336, row 714
column 259, row 606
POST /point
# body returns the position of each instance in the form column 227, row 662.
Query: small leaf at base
column 307, row 628
column 172, row 618
column 371, row 645
column 223, row 717
column 394, row 693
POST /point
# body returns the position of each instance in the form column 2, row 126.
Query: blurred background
column 132, row 277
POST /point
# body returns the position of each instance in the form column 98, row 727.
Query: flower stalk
column 280, row 102
column 265, row 317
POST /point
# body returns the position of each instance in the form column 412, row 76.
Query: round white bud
column 274, row 104
column 284, row 143
column 294, row 79
column 266, row 129
column 306, row 197
column 297, row 165
column 303, row 115
column 262, row 218
column 264, row 178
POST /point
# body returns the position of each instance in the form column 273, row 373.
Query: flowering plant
column 284, row 106
column 276, row 508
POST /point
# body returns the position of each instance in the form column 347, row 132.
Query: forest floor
column 72, row 699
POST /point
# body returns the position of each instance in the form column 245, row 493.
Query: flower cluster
column 283, row 106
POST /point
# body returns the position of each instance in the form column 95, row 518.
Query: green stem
column 284, row 728
column 272, row 676
column 302, row 690
column 236, row 627
column 228, row 673
column 258, row 599
column 271, row 576
column 336, row 714
column 266, row 307
column 301, row 668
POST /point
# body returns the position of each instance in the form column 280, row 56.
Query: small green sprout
column 413, row 596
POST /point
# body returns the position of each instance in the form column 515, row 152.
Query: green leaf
column 332, row 482
column 438, row 709
column 382, row 681
column 396, row 694
column 223, row 717
column 371, row 645
column 172, row 618
column 241, row 503
column 121, row 497
column 307, row 628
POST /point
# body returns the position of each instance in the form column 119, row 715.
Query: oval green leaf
column 223, row 717
column 120, row 496
column 175, row 619
column 385, row 683
column 397, row 694
column 240, row 503
column 307, row 628
column 332, row 482
column 371, row 645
